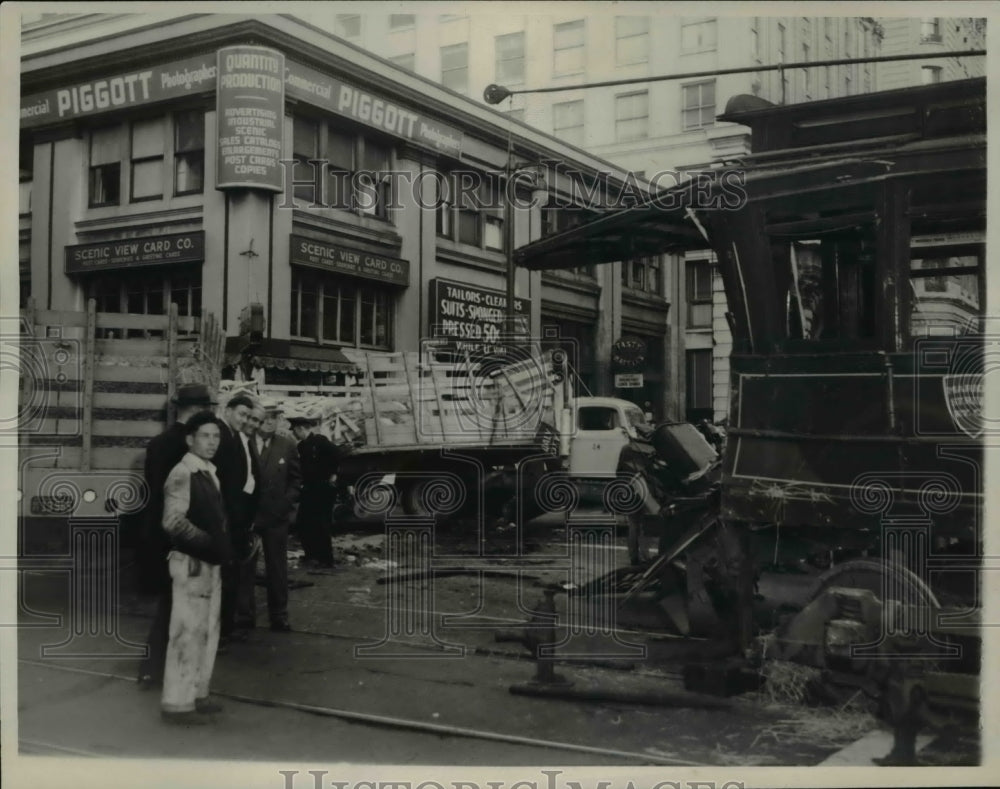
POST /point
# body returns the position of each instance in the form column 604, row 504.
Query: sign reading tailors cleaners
column 474, row 317
column 250, row 107
column 352, row 262
column 136, row 252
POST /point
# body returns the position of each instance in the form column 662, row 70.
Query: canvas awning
column 288, row 355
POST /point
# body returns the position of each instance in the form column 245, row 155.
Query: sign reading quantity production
column 250, row 107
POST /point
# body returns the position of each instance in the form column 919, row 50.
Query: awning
column 288, row 355
column 623, row 235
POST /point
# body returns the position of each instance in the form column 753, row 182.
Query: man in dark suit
column 280, row 486
column 238, row 473
column 163, row 453
column 319, row 458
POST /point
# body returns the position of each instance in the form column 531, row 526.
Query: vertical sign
column 250, row 109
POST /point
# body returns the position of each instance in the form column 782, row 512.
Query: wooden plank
column 171, row 363
column 126, row 400
column 124, row 427
column 371, row 387
column 67, row 318
column 129, row 458
column 145, row 349
column 126, row 320
column 88, row 384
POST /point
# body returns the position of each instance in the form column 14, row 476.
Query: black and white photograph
column 501, row 395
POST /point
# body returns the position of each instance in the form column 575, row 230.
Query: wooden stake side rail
column 403, row 401
column 99, row 394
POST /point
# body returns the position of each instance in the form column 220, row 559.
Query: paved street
column 417, row 696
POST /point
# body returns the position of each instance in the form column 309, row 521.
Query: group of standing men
column 223, row 491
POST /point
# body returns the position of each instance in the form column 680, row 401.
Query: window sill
column 468, row 255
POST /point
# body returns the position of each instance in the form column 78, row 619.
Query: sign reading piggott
column 127, row 89
column 473, row 317
column 353, row 262
column 250, row 108
column 136, row 252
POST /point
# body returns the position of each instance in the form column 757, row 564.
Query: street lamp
column 494, row 94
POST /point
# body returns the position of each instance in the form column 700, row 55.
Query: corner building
column 151, row 172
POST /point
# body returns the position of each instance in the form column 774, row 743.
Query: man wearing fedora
column 280, row 486
column 163, row 453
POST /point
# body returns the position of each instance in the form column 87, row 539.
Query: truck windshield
column 635, row 417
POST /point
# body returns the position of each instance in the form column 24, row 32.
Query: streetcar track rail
column 384, row 721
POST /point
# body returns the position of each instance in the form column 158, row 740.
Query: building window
column 567, row 121
column 147, row 145
column 332, row 309
column 355, row 169
column 510, row 58
column 189, row 152
column 26, row 164
column 699, row 36
column 145, row 293
column 930, row 29
column 471, row 209
column 631, row 39
column 699, row 294
column 24, row 272
column 147, row 160
column 305, row 135
column 699, row 385
column 401, row 21
column 930, row 75
column 455, row 67
column 567, row 40
column 642, row 274
column 632, row 116
column 699, row 105
column 347, row 25
column 407, row 61
column 105, row 166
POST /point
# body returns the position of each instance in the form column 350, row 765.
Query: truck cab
column 603, row 428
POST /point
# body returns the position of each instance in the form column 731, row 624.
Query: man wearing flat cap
column 280, row 486
column 163, row 453
column 319, row 458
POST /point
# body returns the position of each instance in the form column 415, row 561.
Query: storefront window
column 699, row 293
column 348, row 313
column 146, row 293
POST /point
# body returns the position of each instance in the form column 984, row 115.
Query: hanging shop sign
column 312, row 87
column 628, row 355
column 122, row 90
column 250, row 110
column 628, row 381
column 352, row 262
column 473, row 317
column 136, row 252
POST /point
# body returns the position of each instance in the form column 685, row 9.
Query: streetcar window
column 944, row 293
column 826, row 287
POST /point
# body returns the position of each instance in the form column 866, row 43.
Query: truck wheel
column 412, row 499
